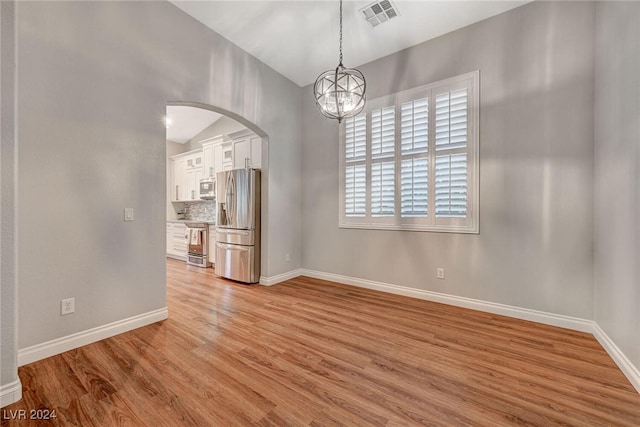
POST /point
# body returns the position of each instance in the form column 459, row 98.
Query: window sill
column 408, row 227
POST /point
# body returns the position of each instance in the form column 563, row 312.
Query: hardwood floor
column 311, row 352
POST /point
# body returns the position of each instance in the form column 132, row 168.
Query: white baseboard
column 60, row 345
column 268, row 281
column 628, row 369
column 559, row 320
column 10, row 393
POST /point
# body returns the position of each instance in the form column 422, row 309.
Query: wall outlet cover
column 67, row 306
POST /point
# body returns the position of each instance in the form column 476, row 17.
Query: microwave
column 208, row 188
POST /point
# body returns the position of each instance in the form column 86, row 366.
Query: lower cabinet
column 177, row 240
column 212, row 244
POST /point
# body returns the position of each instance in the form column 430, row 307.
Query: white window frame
column 470, row 224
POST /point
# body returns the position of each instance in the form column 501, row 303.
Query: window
column 409, row 161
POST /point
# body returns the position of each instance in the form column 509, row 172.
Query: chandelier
column 340, row 93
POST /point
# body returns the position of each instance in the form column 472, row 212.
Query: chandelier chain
column 340, row 32
column 340, row 92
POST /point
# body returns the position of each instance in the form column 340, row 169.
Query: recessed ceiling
column 183, row 123
column 299, row 39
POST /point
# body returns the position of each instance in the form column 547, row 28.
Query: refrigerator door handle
column 234, row 200
column 231, row 231
column 230, row 197
column 233, row 247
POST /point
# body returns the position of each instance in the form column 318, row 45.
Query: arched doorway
column 226, row 129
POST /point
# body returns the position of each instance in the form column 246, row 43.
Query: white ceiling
column 183, row 123
column 299, row 39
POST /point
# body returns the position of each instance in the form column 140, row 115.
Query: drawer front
column 235, row 237
column 236, row 262
column 180, row 232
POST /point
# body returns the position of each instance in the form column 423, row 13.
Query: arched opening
column 228, row 142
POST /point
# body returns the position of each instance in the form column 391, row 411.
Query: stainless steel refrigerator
column 238, row 225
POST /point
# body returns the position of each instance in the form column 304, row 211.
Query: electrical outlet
column 67, row 306
column 128, row 214
column 287, row 257
column 440, row 273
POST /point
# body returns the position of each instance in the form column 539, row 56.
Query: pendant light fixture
column 340, row 93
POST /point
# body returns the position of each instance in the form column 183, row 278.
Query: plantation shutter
column 383, row 146
column 414, row 187
column 451, row 166
column 414, row 124
column 451, row 185
column 382, row 189
column 356, row 138
column 355, row 190
column 355, row 179
column 451, row 120
column 383, row 122
column 414, row 149
column 410, row 160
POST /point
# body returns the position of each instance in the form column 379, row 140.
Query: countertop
column 182, row 221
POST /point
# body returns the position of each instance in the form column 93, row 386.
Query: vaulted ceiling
column 299, row 39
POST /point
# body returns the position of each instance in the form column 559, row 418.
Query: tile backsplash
column 200, row 211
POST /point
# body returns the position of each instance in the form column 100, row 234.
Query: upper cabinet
column 213, row 150
column 209, row 169
column 221, row 153
column 177, row 187
column 186, row 172
column 211, row 155
column 195, row 160
column 247, row 149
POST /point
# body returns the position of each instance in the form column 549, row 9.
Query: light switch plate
column 128, row 214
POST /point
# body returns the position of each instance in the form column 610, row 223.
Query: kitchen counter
column 182, row 221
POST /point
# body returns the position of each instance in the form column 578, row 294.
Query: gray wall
column 8, row 283
column 535, row 247
column 222, row 126
column 94, row 79
column 617, row 177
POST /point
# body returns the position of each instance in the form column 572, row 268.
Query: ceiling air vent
column 378, row 12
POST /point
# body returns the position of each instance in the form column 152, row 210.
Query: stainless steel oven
column 198, row 244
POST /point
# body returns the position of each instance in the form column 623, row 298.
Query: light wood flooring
column 317, row 353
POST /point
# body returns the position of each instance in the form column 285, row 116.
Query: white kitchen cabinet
column 178, row 180
column 177, row 240
column 208, row 161
column 186, row 173
column 247, row 150
column 213, row 154
column 217, row 158
column 255, row 156
column 195, row 160
column 212, row 244
column 192, row 184
column 227, row 156
column 241, row 154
